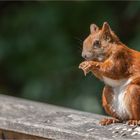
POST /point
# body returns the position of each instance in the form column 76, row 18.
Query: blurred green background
column 40, row 48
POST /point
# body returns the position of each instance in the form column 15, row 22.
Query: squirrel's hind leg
column 107, row 98
column 133, row 122
column 132, row 99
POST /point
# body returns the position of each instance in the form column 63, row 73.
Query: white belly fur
column 119, row 88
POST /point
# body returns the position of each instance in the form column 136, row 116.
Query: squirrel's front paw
column 86, row 66
column 107, row 121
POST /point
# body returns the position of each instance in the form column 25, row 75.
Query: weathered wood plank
column 10, row 135
column 52, row 122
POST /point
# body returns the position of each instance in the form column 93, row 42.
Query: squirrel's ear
column 106, row 27
column 106, row 30
column 93, row 28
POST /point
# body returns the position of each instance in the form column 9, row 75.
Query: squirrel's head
column 97, row 46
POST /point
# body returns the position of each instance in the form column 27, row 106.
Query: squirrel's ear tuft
column 106, row 30
column 93, row 28
column 106, row 27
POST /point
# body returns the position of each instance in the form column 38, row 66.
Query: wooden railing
column 23, row 119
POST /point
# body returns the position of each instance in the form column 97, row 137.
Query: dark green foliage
column 40, row 48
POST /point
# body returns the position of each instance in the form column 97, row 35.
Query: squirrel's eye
column 96, row 44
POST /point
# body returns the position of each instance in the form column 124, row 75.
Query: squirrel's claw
column 85, row 72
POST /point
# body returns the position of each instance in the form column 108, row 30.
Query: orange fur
column 107, row 56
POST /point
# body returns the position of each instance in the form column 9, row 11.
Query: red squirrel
column 119, row 68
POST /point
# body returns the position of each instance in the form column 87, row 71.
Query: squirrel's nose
column 84, row 55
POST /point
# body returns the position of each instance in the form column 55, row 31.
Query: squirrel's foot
column 107, row 121
column 86, row 66
column 133, row 122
